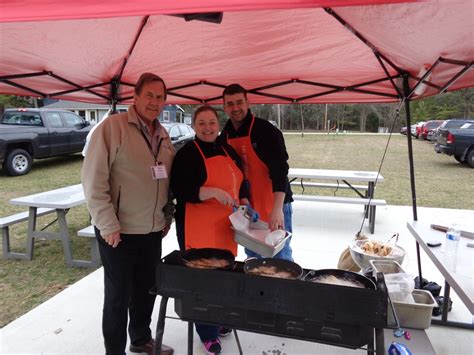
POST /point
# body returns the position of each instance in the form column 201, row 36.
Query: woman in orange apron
column 207, row 183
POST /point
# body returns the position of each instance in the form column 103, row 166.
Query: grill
column 335, row 315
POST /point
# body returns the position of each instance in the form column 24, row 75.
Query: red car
column 419, row 125
column 429, row 126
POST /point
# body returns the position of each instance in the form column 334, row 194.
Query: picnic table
column 61, row 200
column 343, row 179
column 457, row 270
column 347, row 177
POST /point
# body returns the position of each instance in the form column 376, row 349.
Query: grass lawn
column 440, row 182
column 26, row 284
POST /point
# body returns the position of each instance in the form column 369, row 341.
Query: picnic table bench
column 60, row 201
column 8, row 221
column 344, row 180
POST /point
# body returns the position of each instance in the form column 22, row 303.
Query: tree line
column 343, row 117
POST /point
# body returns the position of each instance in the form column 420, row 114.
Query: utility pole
column 302, row 121
column 326, row 117
column 278, row 117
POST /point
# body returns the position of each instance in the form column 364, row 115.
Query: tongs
column 248, row 212
column 390, row 239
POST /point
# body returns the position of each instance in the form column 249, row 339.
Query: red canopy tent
column 284, row 51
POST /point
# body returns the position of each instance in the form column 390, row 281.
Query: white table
column 61, row 200
column 348, row 177
column 369, row 177
column 363, row 176
column 457, row 270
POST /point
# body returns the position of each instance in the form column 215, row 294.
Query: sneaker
column 213, row 346
column 223, row 332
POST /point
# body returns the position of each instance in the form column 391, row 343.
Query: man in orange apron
column 208, row 182
column 262, row 149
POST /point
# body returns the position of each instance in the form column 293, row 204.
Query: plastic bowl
column 363, row 260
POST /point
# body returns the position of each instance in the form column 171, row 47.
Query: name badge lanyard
column 158, row 171
column 148, row 143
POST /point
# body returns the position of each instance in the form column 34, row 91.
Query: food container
column 363, row 259
column 254, row 238
column 386, row 267
column 416, row 315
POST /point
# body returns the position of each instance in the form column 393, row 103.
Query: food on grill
column 334, row 280
column 207, row 263
column 271, row 271
column 373, row 247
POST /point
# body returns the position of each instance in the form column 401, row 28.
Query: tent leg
column 406, row 89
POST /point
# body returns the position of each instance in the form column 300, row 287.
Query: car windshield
column 178, row 129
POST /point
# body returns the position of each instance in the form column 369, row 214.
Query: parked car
column 403, row 130
column 418, row 127
column 413, row 129
column 180, row 133
column 447, row 124
column 31, row 133
column 458, row 142
column 428, row 127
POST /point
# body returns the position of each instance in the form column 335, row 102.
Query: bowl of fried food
column 362, row 251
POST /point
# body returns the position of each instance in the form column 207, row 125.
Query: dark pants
column 129, row 274
column 207, row 332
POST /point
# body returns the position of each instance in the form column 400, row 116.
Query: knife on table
column 464, row 233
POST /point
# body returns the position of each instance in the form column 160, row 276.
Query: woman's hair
column 203, row 109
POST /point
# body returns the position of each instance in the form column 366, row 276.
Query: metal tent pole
column 406, row 90
column 114, row 93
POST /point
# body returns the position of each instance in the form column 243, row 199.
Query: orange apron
column 207, row 224
column 257, row 174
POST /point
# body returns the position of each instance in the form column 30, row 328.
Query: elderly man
column 125, row 180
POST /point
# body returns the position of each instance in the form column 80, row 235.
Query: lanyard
column 150, row 147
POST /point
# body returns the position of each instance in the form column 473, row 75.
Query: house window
column 82, row 113
column 93, row 117
column 166, row 116
column 179, row 116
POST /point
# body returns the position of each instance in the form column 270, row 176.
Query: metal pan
column 341, row 274
column 190, row 255
column 292, row 270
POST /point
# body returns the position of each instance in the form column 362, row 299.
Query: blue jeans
column 286, row 253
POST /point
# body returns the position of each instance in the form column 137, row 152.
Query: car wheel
column 18, row 162
column 470, row 158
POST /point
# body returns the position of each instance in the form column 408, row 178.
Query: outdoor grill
column 336, row 315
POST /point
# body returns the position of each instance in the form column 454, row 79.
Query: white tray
column 256, row 243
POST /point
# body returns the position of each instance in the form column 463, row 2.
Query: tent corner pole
column 406, row 90
column 114, row 91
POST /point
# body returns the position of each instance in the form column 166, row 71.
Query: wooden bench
column 88, row 232
column 347, row 200
column 5, row 224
